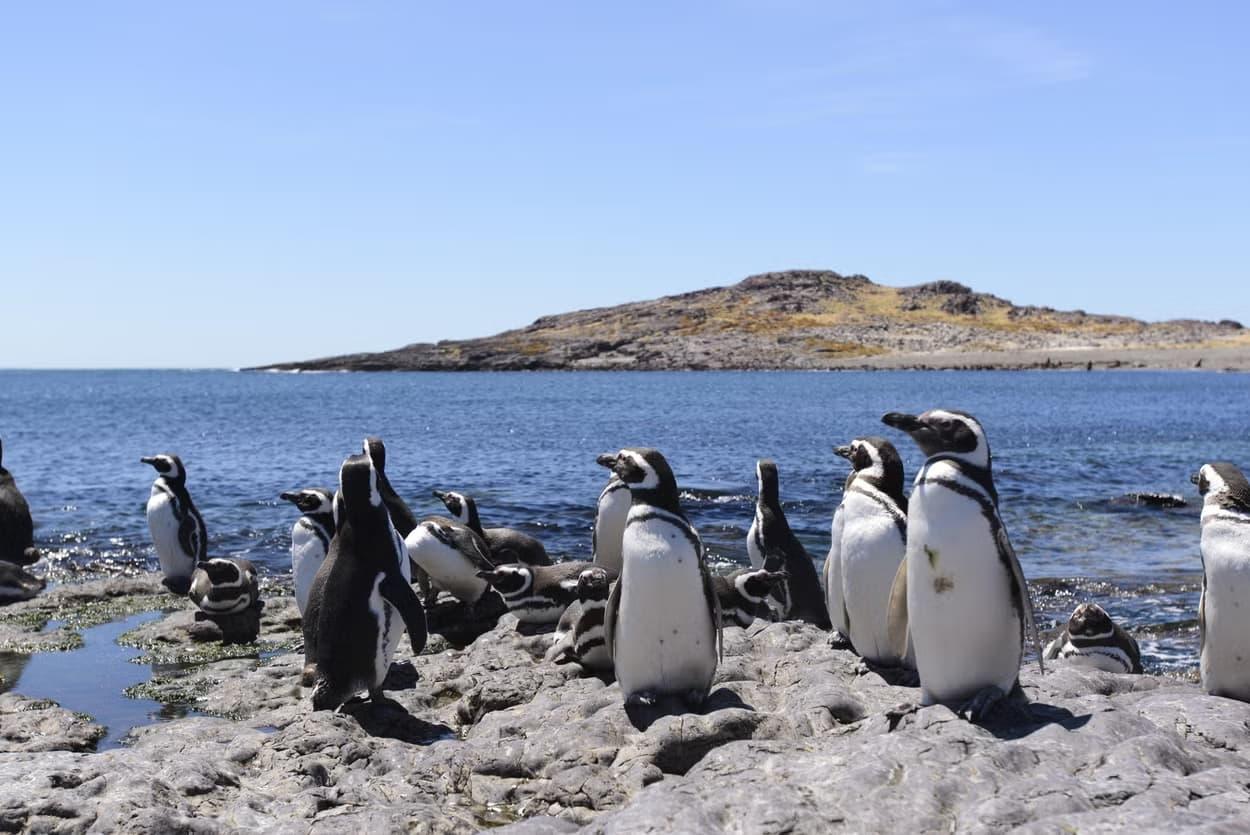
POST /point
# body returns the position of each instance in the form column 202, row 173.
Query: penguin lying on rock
column 1091, row 639
column 538, row 593
column 579, row 637
column 17, row 584
column 16, row 528
column 226, row 592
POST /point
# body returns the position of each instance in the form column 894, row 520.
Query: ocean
column 1068, row 448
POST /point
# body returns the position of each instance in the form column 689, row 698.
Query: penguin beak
column 1195, row 478
column 287, row 497
column 441, row 495
column 843, row 452
column 907, row 423
column 488, row 576
column 606, row 460
column 147, row 460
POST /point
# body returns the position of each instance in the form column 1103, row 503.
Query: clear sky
column 232, row 183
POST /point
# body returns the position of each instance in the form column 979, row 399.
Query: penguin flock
column 926, row 582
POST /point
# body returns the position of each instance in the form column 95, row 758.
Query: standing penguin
column 177, row 527
column 772, row 545
column 968, row 604
column 1092, row 639
column 1224, row 608
column 610, row 515
column 870, row 543
column 360, row 604
column 310, row 537
column 16, row 528
column 506, row 544
column 662, row 625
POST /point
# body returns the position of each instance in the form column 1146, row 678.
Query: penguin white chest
column 610, row 528
column 1225, row 661
column 964, row 627
column 754, row 537
column 308, row 552
column 447, row 567
column 665, row 641
column 163, row 521
column 871, row 549
column 390, row 629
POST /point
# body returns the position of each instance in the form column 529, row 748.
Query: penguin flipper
column 472, row 546
column 191, row 535
column 1022, row 588
column 610, row 613
column 712, row 599
column 400, row 595
column 896, row 612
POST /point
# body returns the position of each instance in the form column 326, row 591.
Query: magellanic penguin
column 310, row 537
column 17, row 584
column 610, row 515
column 869, row 543
column 360, row 604
column 772, row 545
column 1224, row 607
column 663, row 621
column 224, row 586
column 177, row 527
column 506, row 544
column 746, row 594
column 451, row 554
column 402, row 518
column 537, row 593
column 1091, row 639
column 16, row 528
column 580, row 637
column 968, row 604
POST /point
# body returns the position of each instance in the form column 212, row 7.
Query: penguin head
column 757, row 586
column 593, row 584
column 945, row 431
column 877, row 460
column 1090, row 620
column 457, row 504
column 311, row 500
column 509, row 579
column 608, row 460
column 222, row 571
column 169, row 466
column 766, row 476
column 358, row 498
column 1222, row 483
column 642, row 468
column 376, row 450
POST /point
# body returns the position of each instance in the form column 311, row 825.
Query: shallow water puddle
column 91, row 680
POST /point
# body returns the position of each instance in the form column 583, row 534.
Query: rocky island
column 810, row 319
column 797, row 737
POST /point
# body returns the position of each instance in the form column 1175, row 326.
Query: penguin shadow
column 894, row 675
column 1018, row 718
column 643, row 715
column 385, row 717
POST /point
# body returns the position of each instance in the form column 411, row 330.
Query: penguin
column 537, row 593
column 580, row 637
column 452, row 555
column 224, row 586
column 772, row 545
column 16, row 528
column 610, row 515
column 662, row 623
column 177, row 527
column 17, row 584
column 310, row 537
column 506, row 545
column 360, row 604
column 402, row 518
column 870, row 541
column 832, row 573
column 1224, row 606
column 968, row 604
column 1091, row 639
column 746, row 594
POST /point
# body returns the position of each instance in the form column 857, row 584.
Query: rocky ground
column 797, row 737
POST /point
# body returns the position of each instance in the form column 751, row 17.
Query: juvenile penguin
column 506, row 544
column 746, row 594
column 16, row 528
column 968, row 604
column 177, row 527
column 1091, row 639
column 536, row 593
column 663, row 621
column 17, row 584
column 870, row 541
column 772, row 545
column 582, row 639
column 360, row 604
column 610, row 515
column 1224, row 607
column 224, row 586
column 310, row 537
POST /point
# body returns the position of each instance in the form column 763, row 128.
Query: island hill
column 810, row 319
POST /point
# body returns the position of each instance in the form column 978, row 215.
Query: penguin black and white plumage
column 537, row 593
column 451, row 554
column 360, row 604
column 1093, row 640
column 224, row 586
column 746, row 594
column 17, row 584
column 663, row 621
column 1224, row 607
column 506, row 544
column 581, row 636
column 869, row 543
column 310, row 537
column 610, row 515
column 968, row 604
column 772, row 545
column 16, row 528
column 177, row 527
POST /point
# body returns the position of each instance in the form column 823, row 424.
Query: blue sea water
column 1066, row 445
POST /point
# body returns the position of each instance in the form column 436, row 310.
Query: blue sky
column 229, row 183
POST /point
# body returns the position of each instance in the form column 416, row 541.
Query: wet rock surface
column 796, row 737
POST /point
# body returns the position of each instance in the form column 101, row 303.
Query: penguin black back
column 402, row 516
column 782, row 550
column 16, row 527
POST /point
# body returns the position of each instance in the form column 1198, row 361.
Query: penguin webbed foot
column 177, row 585
column 984, row 703
column 837, row 640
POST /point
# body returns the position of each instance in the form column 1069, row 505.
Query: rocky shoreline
column 797, row 737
